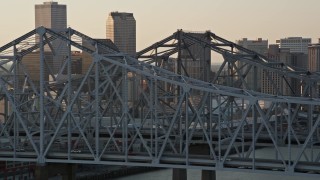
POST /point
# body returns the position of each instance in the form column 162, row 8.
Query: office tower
column 51, row 15
column 196, row 59
column 87, row 57
column 270, row 80
column 314, row 57
column 260, row 46
column 314, row 64
column 295, row 44
column 54, row 16
column 31, row 65
column 121, row 29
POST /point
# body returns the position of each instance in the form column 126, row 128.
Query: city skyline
column 166, row 107
column 232, row 20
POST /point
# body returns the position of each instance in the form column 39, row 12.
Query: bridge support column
column 179, row 174
column 66, row 171
column 41, row 172
column 71, row 172
column 203, row 149
column 208, row 175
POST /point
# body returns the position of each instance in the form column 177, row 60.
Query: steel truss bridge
column 94, row 118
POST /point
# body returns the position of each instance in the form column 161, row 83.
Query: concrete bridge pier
column 66, row 171
column 200, row 149
column 208, row 175
column 203, row 149
column 179, row 174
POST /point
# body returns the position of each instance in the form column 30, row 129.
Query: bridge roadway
column 136, row 157
column 122, row 111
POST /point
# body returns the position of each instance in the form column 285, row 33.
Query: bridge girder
column 122, row 111
column 238, row 63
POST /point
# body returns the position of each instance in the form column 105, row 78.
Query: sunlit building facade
column 314, row 63
column 285, row 85
column 121, row 29
column 295, row 44
column 260, row 46
column 196, row 59
column 314, row 57
column 54, row 16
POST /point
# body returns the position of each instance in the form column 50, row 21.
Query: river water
column 195, row 174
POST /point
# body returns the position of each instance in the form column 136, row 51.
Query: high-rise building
column 260, row 46
column 272, row 83
column 54, row 16
column 196, row 59
column 314, row 57
column 51, row 15
column 121, row 29
column 87, row 58
column 295, row 44
column 314, row 64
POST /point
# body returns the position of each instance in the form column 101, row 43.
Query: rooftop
column 50, row 3
column 116, row 13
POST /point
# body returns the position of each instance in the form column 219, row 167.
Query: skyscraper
column 314, row 57
column 314, row 64
column 51, row 15
column 121, row 29
column 273, row 83
column 196, row 59
column 295, row 44
column 54, row 16
column 260, row 46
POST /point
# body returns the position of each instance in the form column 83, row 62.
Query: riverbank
column 109, row 172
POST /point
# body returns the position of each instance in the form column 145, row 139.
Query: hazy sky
column 157, row 19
